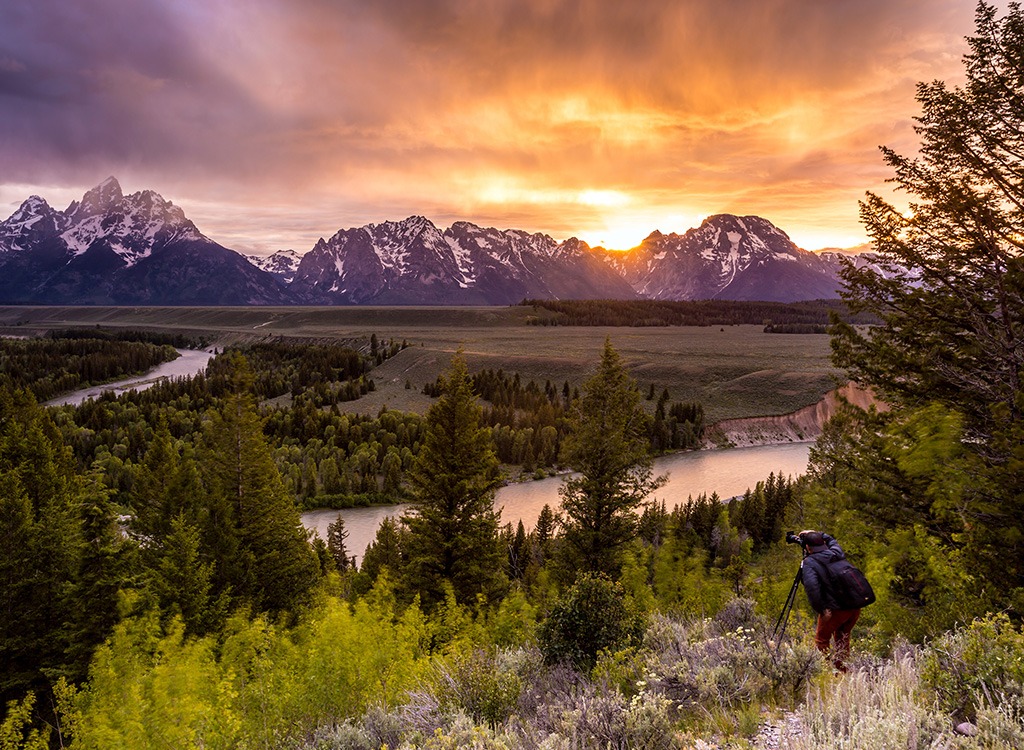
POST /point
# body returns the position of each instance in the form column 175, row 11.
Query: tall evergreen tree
column 453, row 528
column 953, row 307
column 949, row 352
column 336, row 536
column 41, row 545
column 262, row 553
column 107, row 566
column 182, row 581
column 608, row 446
column 385, row 551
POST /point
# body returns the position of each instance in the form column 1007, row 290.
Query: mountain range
column 141, row 249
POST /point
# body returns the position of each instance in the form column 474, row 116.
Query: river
column 728, row 472
column 189, row 362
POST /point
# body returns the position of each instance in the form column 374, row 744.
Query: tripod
column 780, row 625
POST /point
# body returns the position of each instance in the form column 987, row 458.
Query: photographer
column 834, row 622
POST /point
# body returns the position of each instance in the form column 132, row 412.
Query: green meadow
column 735, row 371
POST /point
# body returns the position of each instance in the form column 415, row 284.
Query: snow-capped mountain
column 727, row 257
column 836, row 259
column 414, row 262
column 281, row 265
column 110, row 248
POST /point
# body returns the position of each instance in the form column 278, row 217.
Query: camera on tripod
column 793, row 538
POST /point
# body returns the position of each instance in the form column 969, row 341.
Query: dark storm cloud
column 564, row 112
column 107, row 82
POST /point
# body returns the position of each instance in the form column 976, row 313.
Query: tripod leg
column 784, row 615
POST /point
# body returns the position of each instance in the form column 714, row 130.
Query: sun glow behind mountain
column 276, row 123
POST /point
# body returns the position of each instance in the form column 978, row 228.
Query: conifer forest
column 158, row 589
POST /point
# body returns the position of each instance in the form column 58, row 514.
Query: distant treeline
column 51, row 366
column 528, row 422
column 160, row 338
column 325, row 457
column 795, row 328
column 694, row 313
column 326, row 374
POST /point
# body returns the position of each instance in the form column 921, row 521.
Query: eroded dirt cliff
column 800, row 426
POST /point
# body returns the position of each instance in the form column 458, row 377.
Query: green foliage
column 971, row 665
column 688, row 313
column 261, row 553
column 322, row 374
column 609, row 448
column 107, row 564
column 515, row 621
column 453, row 527
column 902, row 488
column 182, row 580
column 16, row 731
column 257, row 686
column 336, row 535
column 593, row 615
column 475, row 683
column 947, row 354
column 51, row 366
column 42, row 551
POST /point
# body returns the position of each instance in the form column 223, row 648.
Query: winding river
column 189, row 362
column 728, row 472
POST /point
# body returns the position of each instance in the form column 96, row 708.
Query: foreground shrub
column 702, row 665
column 983, row 662
column 865, row 711
column 477, row 685
column 590, row 617
column 572, row 712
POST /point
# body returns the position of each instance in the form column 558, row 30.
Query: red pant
column 836, row 624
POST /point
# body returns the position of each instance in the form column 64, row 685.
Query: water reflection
column 190, row 362
column 728, row 472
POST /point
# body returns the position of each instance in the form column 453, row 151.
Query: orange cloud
column 278, row 121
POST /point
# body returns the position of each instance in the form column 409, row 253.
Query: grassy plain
column 735, row 371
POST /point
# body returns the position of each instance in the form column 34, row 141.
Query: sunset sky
column 275, row 122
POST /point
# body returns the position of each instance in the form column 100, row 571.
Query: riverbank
column 801, row 426
column 189, row 362
column 727, row 472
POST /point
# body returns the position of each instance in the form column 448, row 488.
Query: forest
column 157, row 588
column 694, row 313
column 60, row 363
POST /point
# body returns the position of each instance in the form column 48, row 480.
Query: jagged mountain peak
column 745, row 224
column 128, row 226
column 33, row 219
column 407, row 227
column 99, row 200
column 110, row 248
column 281, row 264
column 31, row 209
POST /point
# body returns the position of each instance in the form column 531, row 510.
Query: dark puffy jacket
column 815, row 575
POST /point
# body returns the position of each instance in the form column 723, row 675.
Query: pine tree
column 336, row 535
column 453, row 529
column 182, row 581
column 608, row 445
column 41, row 545
column 385, row 551
column 261, row 549
column 108, row 565
column 949, row 352
column 953, row 308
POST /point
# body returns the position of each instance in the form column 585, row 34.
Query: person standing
column 834, row 623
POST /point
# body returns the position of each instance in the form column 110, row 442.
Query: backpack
column 850, row 588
